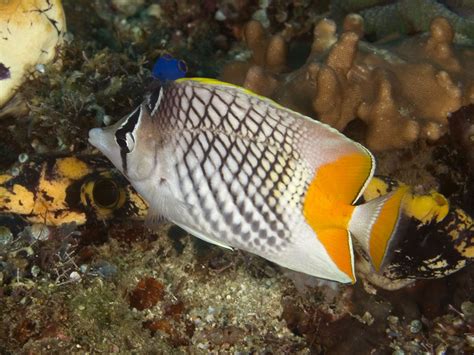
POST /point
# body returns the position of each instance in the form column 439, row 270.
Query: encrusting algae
column 107, row 283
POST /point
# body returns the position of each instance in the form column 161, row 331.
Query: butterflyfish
column 240, row 171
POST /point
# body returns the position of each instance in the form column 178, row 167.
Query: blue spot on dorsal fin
column 167, row 68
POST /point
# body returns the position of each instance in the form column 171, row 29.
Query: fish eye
column 106, row 193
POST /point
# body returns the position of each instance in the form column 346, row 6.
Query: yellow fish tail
column 375, row 225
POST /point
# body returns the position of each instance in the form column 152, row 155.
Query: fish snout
column 95, row 137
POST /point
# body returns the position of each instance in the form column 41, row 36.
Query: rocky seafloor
column 117, row 287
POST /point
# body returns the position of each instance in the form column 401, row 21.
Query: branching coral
column 402, row 91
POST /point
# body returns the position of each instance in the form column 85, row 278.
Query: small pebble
column 261, row 16
column 74, row 276
column 23, row 158
column 392, row 320
column 35, row 270
column 107, row 120
column 40, row 68
column 155, row 11
column 441, row 349
column 220, row 16
column 415, row 326
column 39, row 231
column 6, row 236
column 368, row 318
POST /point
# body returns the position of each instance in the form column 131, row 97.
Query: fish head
column 129, row 144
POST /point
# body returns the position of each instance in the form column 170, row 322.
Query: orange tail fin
column 375, row 224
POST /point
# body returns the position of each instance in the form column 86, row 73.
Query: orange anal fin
column 338, row 245
column 385, row 226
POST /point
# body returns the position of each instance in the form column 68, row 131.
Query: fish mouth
column 95, row 135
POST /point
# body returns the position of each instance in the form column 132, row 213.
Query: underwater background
column 80, row 272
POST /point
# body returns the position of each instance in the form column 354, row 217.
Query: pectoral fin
column 154, row 219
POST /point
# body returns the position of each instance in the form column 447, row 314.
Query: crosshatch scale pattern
column 236, row 164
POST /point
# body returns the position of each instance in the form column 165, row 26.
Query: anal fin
column 338, row 245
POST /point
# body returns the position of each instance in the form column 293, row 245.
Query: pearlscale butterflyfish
column 240, row 171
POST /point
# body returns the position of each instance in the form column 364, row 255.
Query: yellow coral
column 30, row 34
column 427, row 208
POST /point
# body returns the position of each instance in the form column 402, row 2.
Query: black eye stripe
column 153, row 99
column 127, row 127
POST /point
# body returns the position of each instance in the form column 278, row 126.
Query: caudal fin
column 374, row 225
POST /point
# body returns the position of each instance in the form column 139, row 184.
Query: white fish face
column 129, row 144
